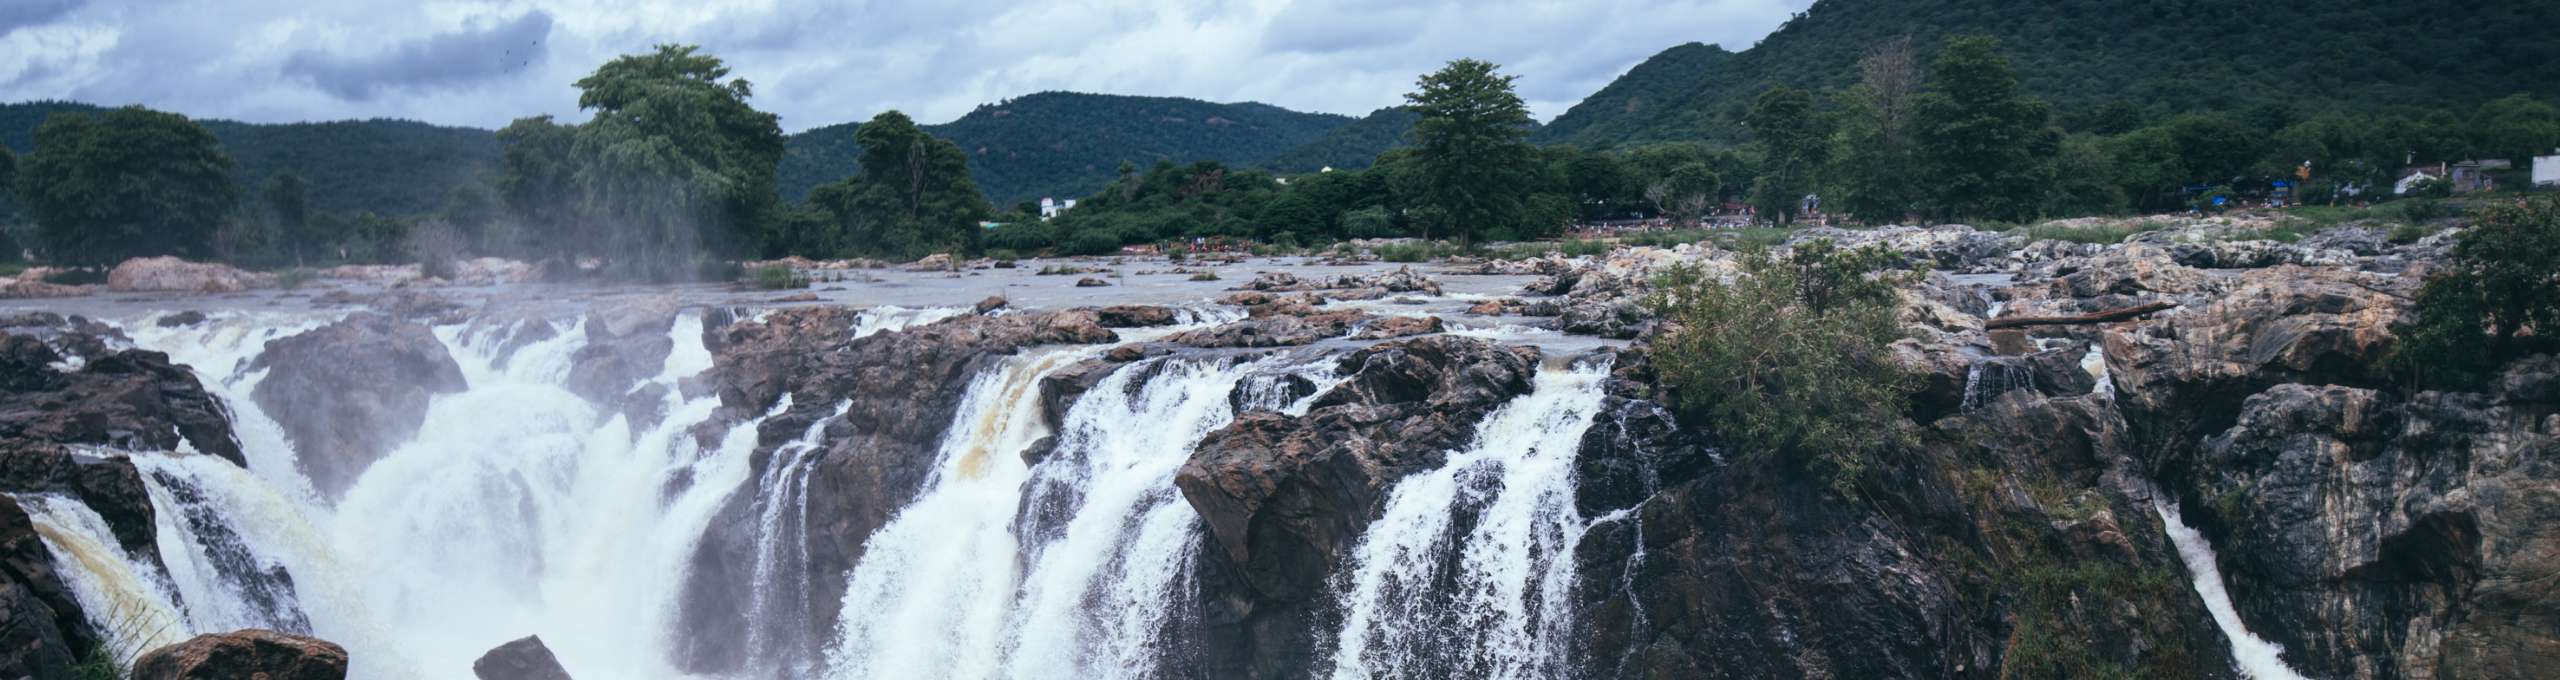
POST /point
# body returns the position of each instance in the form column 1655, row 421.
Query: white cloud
column 817, row 62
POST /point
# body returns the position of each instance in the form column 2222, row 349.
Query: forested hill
column 1349, row 147
column 2163, row 56
column 389, row 167
column 1067, row 144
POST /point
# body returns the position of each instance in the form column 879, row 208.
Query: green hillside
column 389, row 167
column 1350, row 147
column 2162, row 56
column 1068, row 144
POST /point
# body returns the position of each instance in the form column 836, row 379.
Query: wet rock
column 248, row 654
column 1388, row 327
column 1091, row 282
column 42, row 629
column 170, row 274
column 185, row 318
column 1275, row 331
column 1283, row 497
column 1134, row 316
column 937, row 262
column 522, row 659
column 2190, row 370
column 900, row 391
column 992, row 303
column 110, row 486
column 349, row 392
column 132, row 399
column 627, row 342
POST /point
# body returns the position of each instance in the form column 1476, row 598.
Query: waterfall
column 130, row 605
column 1469, row 572
column 780, row 597
column 1072, row 568
column 2256, row 657
column 519, row 508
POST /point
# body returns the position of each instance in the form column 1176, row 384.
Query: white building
column 2546, row 170
column 1050, row 207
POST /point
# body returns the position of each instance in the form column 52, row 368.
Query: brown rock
column 348, row 392
column 1133, row 316
column 522, row 659
column 245, row 655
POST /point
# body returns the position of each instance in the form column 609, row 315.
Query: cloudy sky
column 815, row 62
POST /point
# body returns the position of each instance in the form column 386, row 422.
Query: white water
column 895, row 318
column 2256, row 657
column 1105, row 542
column 1502, row 609
column 518, row 509
column 130, row 605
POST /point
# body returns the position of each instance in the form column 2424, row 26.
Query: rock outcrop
column 348, row 392
column 899, row 390
column 522, row 659
column 132, row 399
column 42, row 629
column 1284, row 496
column 245, row 655
column 173, row 275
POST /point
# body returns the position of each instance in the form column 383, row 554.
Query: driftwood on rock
column 2078, row 319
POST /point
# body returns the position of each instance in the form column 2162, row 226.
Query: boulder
column 133, row 399
column 1283, row 497
column 349, row 392
column 522, row 659
column 42, row 629
column 1091, row 282
column 170, row 274
column 1275, row 331
column 1134, row 316
column 245, row 655
column 179, row 319
column 992, row 303
column 937, row 262
column 628, row 341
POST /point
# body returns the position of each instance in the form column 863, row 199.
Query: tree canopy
column 128, row 182
column 1470, row 148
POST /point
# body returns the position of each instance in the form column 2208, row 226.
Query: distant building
column 2411, row 176
column 2470, row 176
column 1050, row 207
column 2546, row 170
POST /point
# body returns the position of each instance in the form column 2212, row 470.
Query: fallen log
column 2078, row 319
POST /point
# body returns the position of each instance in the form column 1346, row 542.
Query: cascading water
column 519, row 509
column 130, row 605
column 1469, row 571
column 1084, row 582
column 2255, row 656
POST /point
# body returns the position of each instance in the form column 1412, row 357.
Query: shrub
column 2493, row 300
column 1204, row 276
column 779, row 278
column 1405, row 252
column 293, row 278
column 1788, row 362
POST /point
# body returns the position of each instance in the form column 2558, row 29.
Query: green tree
column 1788, row 362
column 1471, row 148
column 1793, row 140
column 2491, row 301
column 2517, row 127
column 913, row 196
column 128, row 182
column 1875, row 171
column 1985, row 146
column 288, row 203
column 676, row 162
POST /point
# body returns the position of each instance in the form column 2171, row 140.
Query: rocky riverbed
column 1210, row 474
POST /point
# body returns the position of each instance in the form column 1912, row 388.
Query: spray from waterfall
column 1469, row 572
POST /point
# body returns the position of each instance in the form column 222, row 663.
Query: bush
column 1406, row 252
column 1204, row 276
column 2493, row 300
column 779, row 278
column 1788, row 362
column 293, row 278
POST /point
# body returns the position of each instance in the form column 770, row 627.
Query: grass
column 778, row 278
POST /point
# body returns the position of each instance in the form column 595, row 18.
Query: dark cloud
column 449, row 60
column 17, row 14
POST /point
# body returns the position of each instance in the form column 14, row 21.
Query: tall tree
column 1875, row 169
column 2516, row 127
column 288, row 203
column 128, row 182
column 913, row 197
column 1986, row 147
column 1793, row 139
column 1471, row 148
column 674, row 166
